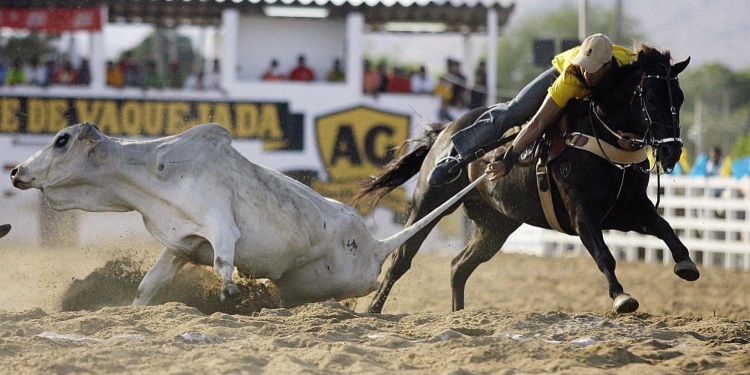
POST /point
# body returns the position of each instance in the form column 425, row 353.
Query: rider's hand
column 496, row 169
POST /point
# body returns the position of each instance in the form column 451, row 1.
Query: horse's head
column 660, row 100
column 644, row 99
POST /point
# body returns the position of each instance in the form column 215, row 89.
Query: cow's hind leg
column 158, row 276
column 490, row 233
column 401, row 258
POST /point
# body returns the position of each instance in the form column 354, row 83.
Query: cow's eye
column 62, row 140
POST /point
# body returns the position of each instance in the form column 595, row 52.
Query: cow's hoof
column 687, row 270
column 229, row 292
column 624, row 304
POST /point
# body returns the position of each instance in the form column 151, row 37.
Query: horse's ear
column 680, row 66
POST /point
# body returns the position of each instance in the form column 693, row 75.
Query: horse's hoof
column 229, row 293
column 624, row 304
column 687, row 270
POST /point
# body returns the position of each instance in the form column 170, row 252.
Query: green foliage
column 723, row 108
column 166, row 41
column 723, row 93
column 27, row 47
column 515, row 50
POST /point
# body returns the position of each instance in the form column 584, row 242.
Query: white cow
column 207, row 204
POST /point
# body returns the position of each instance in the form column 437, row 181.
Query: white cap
column 595, row 51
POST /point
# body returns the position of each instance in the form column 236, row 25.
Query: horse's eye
column 62, row 140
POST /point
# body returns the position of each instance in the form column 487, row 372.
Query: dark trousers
column 491, row 125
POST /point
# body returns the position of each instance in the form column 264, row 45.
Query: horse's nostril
column 13, row 172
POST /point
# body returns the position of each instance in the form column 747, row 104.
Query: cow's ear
column 90, row 134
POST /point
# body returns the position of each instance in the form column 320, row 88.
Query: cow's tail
column 391, row 243
column 400, row 170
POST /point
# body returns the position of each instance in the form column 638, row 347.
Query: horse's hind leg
column 401, row 258
column 491, row 231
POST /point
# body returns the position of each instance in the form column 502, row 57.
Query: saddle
column 551, row 145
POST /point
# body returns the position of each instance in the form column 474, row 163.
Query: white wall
column 261, row 39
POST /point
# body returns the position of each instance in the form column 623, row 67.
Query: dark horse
column 634, row 106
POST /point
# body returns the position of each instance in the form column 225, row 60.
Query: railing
column 710, row 216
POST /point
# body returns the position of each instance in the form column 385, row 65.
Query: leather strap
column 545, row 194
column 605, row 150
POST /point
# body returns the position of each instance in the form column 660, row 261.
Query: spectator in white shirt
column 421, row 82
column 36, row 74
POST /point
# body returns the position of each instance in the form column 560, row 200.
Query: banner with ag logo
column 355, row 144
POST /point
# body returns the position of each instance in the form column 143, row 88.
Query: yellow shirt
column 568, row 85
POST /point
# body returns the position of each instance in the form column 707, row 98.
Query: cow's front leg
column 224, row 248
column 158, row 276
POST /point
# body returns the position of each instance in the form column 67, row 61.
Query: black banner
column 270, row 122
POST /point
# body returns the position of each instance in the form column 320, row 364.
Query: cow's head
column 69, row 169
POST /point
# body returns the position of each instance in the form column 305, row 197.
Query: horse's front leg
column 590, row 232
column 651, row 223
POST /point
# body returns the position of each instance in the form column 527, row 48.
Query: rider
column 573, row 74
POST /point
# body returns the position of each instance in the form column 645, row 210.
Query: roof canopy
column 456, row 15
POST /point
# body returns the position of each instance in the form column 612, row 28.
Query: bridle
column 642, row 142
column 675, row 125
column 636, row 143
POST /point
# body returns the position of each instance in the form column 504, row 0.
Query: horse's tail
column 401, row 169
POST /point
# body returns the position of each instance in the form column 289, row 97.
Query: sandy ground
column 525, row 315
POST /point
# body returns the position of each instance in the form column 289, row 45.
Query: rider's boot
column 446, row 171
column 466, row 148
column 449, row 168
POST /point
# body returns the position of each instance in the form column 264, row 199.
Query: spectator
column 16, row 75
column 49, row 70
column 478, row 95
column 371, row 79
column 715, row 162
column 399, row 81
column 336, row 74
column 302, row 72
column 174, row 79
column 272, row 73
column 196, row 81
column 458, row 81
column 83, row 75
column 212, row 78
column 383, row 72
column 115, row 78
column 444, row 90
column 65, row 74
column 126, row 62
column 154, row 78
column 134, row 76
column 421, row 82
column 36, row 75
column 3, row 71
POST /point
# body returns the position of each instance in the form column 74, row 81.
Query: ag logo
column 358, row 142
column 355, row 144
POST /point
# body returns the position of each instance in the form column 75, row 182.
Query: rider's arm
column 546, row 114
